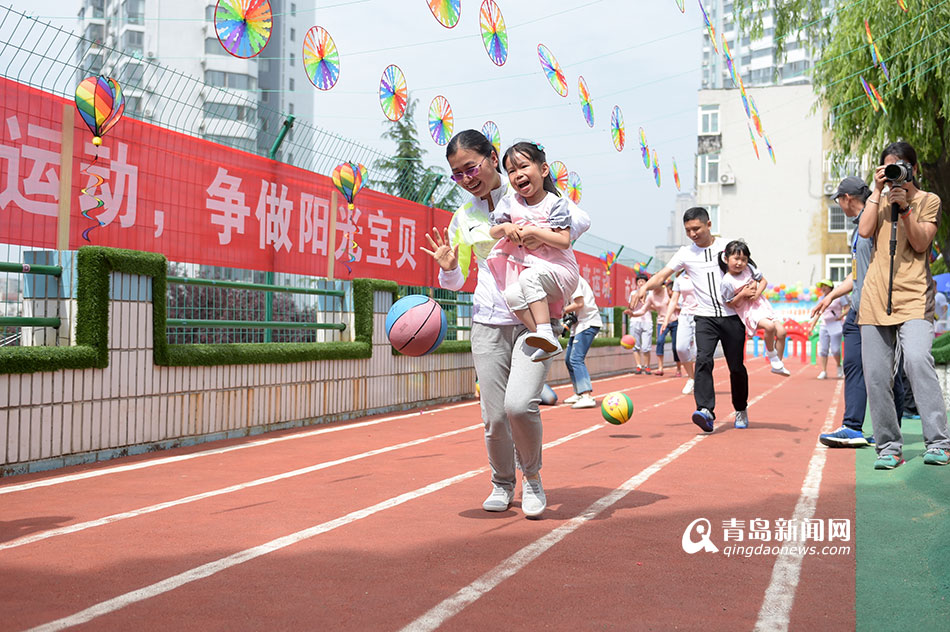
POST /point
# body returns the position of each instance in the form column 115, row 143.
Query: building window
column 291, row 60
column 232, row 80
column 209, row 12
column 707, row 168
column 709, row 119
column 214, row 47
column 133, row 41
column 293, row 9
column 837, row 267
column 290, row 108
column 290, row 84
column 134, row 11
column 713, row 210
column 94, row 33
column 837, row 221
column 293, row 34
column 227, row 111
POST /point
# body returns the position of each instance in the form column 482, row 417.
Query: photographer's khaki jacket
column 913, row 296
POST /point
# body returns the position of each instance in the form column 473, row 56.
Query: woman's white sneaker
column 533, row 500
column 499, row 499
column 689, row 387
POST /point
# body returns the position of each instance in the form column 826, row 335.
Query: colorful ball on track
column 616, row 408
column 628, row 342
column 415, row 325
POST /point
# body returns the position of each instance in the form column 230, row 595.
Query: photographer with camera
column 583, row 320
column 897, row 306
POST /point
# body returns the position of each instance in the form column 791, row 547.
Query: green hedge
column 941, row 349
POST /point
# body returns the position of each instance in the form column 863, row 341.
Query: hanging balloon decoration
column 100, row 103
column 243, row 26
column 348, row 178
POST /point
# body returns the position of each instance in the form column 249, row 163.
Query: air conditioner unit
column 150, row 55
column 829, row 188
column 148, row 112
column 727, row 178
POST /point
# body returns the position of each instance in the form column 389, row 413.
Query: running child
column 756, row 312
column 531, row 279
column 830, row 332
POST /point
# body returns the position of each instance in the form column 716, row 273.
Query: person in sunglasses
column 510, row 383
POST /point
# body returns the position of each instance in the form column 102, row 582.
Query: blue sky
column 644, row 56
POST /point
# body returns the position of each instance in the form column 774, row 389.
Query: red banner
column 200, row 202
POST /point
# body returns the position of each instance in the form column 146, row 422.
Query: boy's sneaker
column 542, row 354
column 742, row 419
column 499, row 500
column 704, row 419
column 844, row 437
column 638, row 370
column 585, row 401
column 888, row 461
column 540, row 341
column 533, row 500
column 689, row 387
column 778, row 367
column 573, row 398
column 822, row 375
column 937, row 456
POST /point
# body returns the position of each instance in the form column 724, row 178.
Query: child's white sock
column 545, row 330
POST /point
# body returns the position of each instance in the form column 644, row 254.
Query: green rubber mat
column 903, row 541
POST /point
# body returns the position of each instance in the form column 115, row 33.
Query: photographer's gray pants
column 878, row 346
column 510, row 385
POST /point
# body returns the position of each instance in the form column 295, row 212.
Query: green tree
column 915, row 47
column 406, row 175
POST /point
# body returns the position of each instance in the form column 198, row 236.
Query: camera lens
column 897, row 172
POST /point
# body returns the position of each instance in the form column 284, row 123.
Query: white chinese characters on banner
column 379, row 229
column 40, row 188
column 226, row 203
column 120, row 184
column 314, row 216
column 349, row 227
column 407, row 243
column 274, row 215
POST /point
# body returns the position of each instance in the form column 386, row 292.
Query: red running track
column 377, row 525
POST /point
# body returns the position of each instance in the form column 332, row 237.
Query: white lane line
column 211, row 568
column 69, row 478
column 780, row 595
column 82, row 526
column 451, row 606
column 471, row 593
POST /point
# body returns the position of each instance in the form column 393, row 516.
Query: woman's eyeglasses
column 468, row 173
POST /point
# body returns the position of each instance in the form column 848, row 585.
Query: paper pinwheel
column 681, row 6
column 587, row 107
column 676, row 175
column 709, row 27
column 552, row 70
column 321, row 61
column 574, row 187
column 243, row 26
column 617, row 133
column 873, row 95
column 393, row 94
column 446, row 11
column 490, row 131
column 769, row 146
column 902, row 5
column 656, row 168
column 559, row 175
column 494, row 33
column 752, row 138
column 441, row 121
column 100, row 103
column 644, row 149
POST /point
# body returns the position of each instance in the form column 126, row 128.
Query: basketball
column 628, row 342
column 616, row 408
column 548, row 396
column 415, row 325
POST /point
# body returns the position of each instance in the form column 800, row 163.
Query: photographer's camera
column 899, row 172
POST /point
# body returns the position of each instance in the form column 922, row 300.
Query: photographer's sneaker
column 742, row 419
column 572, row 399
column 688, row 388
column 937, row 456
column 533, row 500
column 585, row 401
column 888, row 462
column 704, row 419
column 844, row 437
column 822, row 375
column 499, row 499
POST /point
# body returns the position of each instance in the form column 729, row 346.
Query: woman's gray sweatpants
column 510, row 385
column 878, row 344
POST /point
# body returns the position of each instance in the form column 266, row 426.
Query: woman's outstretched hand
column 443, row 253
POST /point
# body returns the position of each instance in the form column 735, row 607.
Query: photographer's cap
column 851, row 185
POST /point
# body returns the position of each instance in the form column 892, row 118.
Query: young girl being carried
column 532, row 278
column 742, row 287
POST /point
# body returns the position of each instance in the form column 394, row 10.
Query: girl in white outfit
column 684, row 297
column 756, row 312
column 532, row 278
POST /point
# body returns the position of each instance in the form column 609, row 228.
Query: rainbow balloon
column 348, row 178
column 243, row 26
column 100, row 103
